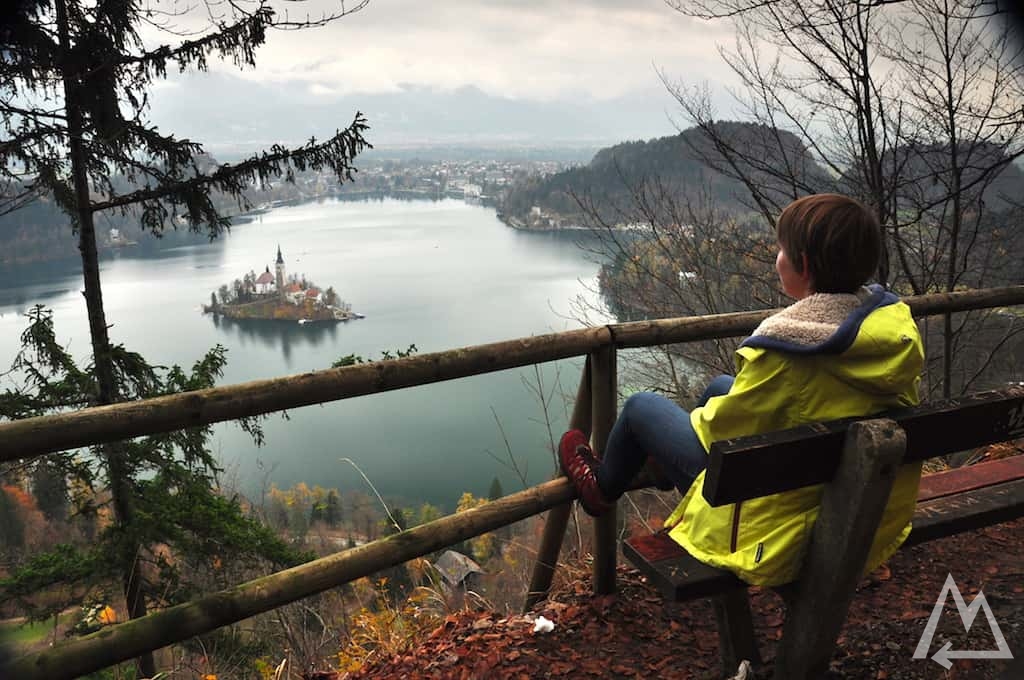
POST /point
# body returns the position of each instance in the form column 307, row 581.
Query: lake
column 438, row 275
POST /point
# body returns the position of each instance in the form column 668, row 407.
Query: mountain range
column 258, row 114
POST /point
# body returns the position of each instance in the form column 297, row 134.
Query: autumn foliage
column 633, row 634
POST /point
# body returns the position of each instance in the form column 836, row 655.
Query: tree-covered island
column 277, row 296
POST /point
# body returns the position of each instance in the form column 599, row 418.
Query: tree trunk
column 956, row 174
column 102, row 360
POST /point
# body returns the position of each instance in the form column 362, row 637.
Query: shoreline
column 517, row 224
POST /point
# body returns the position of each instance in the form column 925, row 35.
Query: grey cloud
column 533, row 70
column 533, row 48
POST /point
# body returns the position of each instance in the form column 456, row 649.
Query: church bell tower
column 279, row 270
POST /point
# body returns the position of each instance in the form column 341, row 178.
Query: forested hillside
column 41, row 232
column 681, row 165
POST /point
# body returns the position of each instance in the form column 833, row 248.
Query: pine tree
column 173, row 487
column 74, row 80
column 495, row 491
column 331, row 296
column 50, row 487
column 333, row 514
column 12, row 527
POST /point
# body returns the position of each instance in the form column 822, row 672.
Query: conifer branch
column 336, row 153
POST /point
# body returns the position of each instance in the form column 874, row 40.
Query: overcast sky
column 534, row 49
column 597, row 57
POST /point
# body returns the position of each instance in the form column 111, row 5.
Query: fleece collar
column 823, row 323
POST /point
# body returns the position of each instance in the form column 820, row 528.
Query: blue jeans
column 653, row 425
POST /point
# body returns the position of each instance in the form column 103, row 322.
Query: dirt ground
column 634, row 635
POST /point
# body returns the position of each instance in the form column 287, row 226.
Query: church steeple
column 279, row 271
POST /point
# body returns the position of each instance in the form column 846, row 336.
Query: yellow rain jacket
column 824, row 357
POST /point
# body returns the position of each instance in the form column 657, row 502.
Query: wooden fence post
column 604, row 394
column 558, row 517
column 852, row 505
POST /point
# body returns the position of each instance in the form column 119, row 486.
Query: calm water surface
column 438, row 275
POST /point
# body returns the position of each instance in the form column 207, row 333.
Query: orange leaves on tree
column 23, row 498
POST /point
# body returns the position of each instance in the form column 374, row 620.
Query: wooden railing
column 594, row 412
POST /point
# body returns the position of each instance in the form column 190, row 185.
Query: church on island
column 276, row 296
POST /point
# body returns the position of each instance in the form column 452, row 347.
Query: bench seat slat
column 677, row 574
column 967, row 511
column 681, row 577
column 972, row 477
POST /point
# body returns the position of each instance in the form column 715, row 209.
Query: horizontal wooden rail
column 691, row 328
column 100, row 424
column 128, row 640
column 965, row 301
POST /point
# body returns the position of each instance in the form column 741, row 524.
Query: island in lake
column 278, row 297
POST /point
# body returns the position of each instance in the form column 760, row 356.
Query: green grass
column 18, row 634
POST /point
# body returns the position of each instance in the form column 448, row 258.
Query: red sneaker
column 578, row 464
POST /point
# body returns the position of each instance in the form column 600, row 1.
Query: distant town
column 39, row 233
column 473, row 180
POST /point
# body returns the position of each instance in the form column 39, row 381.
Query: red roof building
column 265, row 280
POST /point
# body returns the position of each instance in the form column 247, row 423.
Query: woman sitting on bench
column 841, row 350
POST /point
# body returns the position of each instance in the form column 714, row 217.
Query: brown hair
column 838, row 234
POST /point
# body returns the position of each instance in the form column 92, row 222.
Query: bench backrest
column 764, row 464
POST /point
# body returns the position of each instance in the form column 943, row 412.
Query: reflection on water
column 24, row 299
column 20, row 275
column 24, row 286
column 274, row 333
column 437, row 275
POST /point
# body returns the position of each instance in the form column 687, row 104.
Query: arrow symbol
column 967, row 614
column 943, row 656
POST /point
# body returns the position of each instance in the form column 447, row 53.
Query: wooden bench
column 856, row 460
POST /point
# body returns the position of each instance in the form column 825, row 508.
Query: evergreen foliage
column 131, row 166
column 495, row 491
column 385, row 355
column 74, row 83
column 50, row 488
column 172, row 476
column 333, row 514
column 12, row 528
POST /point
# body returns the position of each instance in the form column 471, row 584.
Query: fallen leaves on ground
column 633, row 634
